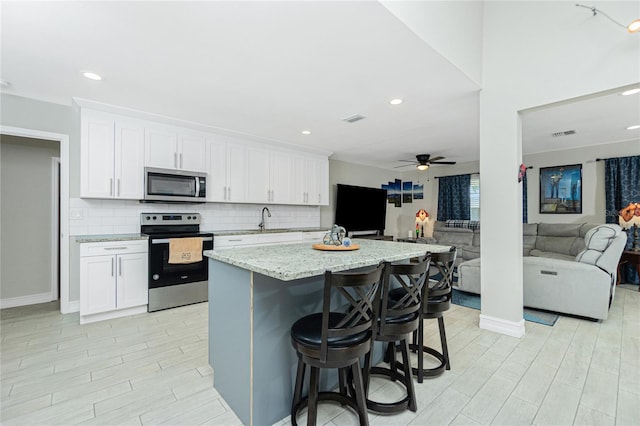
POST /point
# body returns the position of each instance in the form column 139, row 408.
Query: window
column 474, row 195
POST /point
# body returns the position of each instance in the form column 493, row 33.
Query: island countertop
column 289, row 262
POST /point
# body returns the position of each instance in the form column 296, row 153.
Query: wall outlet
column 75, row 214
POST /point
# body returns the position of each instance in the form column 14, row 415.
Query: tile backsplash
column 95, row 217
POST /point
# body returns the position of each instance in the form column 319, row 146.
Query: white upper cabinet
column 112, row 156
column 116, row 148
column 226, row 170
column 270, row 176
column 311, row 180
column 168, row 148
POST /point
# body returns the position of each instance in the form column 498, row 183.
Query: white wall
column 26, row 166
column 452, row 28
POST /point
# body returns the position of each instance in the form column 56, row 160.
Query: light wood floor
column 153, row 369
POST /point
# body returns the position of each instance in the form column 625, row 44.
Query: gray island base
column 255, row 295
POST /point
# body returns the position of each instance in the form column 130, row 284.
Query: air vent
column 354, row 118
column 565, row 133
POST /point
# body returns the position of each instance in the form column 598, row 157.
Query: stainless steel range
column 174, row 284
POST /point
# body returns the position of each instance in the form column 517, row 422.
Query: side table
column 632, row 257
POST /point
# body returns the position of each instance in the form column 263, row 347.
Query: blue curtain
column 454, row 201
column 622, row 186
column 525, row 215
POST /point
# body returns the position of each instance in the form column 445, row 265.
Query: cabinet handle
column 112, row 264
column 229, row 193
column 180, row 160
column 111, row 187
column 175, row 160
column 119, row 266
column 116, row 248
column 118, row 193
column 319, row 198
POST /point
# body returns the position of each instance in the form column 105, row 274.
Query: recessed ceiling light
column 631, row 92
column 637, row 126
column 306, row 132
column 396, row 101
column 92, row 75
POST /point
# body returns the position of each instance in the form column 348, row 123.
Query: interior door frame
column 55, row 225
column 65, row 305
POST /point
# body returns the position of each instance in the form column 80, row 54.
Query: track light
column 633, row 27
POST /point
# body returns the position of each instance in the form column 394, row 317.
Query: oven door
column 162, row 273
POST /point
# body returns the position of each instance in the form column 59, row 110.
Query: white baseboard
column 30, row 299
column 502, row 326
column 74, row 306
column 86, row 319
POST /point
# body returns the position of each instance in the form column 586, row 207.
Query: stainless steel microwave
column 166, row 185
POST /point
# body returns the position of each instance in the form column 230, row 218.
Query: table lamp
column 630, row 217
column 422, row 217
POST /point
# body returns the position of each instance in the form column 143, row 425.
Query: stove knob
column 154, row 218
column 148, row 217
column 188, row 217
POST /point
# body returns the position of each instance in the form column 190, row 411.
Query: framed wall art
column 561, row 189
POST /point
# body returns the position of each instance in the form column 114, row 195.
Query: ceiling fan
column 424, row 161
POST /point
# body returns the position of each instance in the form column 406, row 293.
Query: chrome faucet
column 262, row 224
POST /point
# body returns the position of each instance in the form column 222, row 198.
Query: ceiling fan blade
column 431, row 160
column 404, row 165
column 408, row 161
column 442, row 162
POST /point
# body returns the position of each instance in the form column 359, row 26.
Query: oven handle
column 166, row 240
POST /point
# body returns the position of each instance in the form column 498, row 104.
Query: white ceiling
column 268, row 70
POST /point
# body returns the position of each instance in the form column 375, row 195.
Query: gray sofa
column 567, row 268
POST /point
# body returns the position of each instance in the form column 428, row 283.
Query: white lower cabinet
column 113, row 279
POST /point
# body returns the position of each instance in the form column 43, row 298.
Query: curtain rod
column 461, row 174
column 611, row 158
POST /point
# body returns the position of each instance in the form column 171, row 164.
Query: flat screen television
column 360, row 208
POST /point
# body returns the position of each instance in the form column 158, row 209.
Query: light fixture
column 422, row 167
column 631, row 92
column 92, row 76
column 633, row 27
column 637, row 126
column 396, row 101
column 306, row 132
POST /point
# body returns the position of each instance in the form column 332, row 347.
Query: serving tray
column 327, row 247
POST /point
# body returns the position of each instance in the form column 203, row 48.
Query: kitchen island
column 255, row 295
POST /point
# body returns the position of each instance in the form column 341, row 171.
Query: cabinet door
column 259, row 188
column 129, row 161
column 192, row 153
column 237, row 175
column 97, row 284
column 216, row 170
column 281, row 178
column 322, row 184
column 97, row 156
column 132, row 289
column 160, row 148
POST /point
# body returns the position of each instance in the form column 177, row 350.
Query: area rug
column 471, row 300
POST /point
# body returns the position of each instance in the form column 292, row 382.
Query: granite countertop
column 293, row 261
column 109, row 237
column 266, row 231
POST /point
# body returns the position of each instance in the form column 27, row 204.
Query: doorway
column 62, row 235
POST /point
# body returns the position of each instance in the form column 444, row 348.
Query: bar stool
column 397, row 319
column 332, row 339
column 436, row 299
